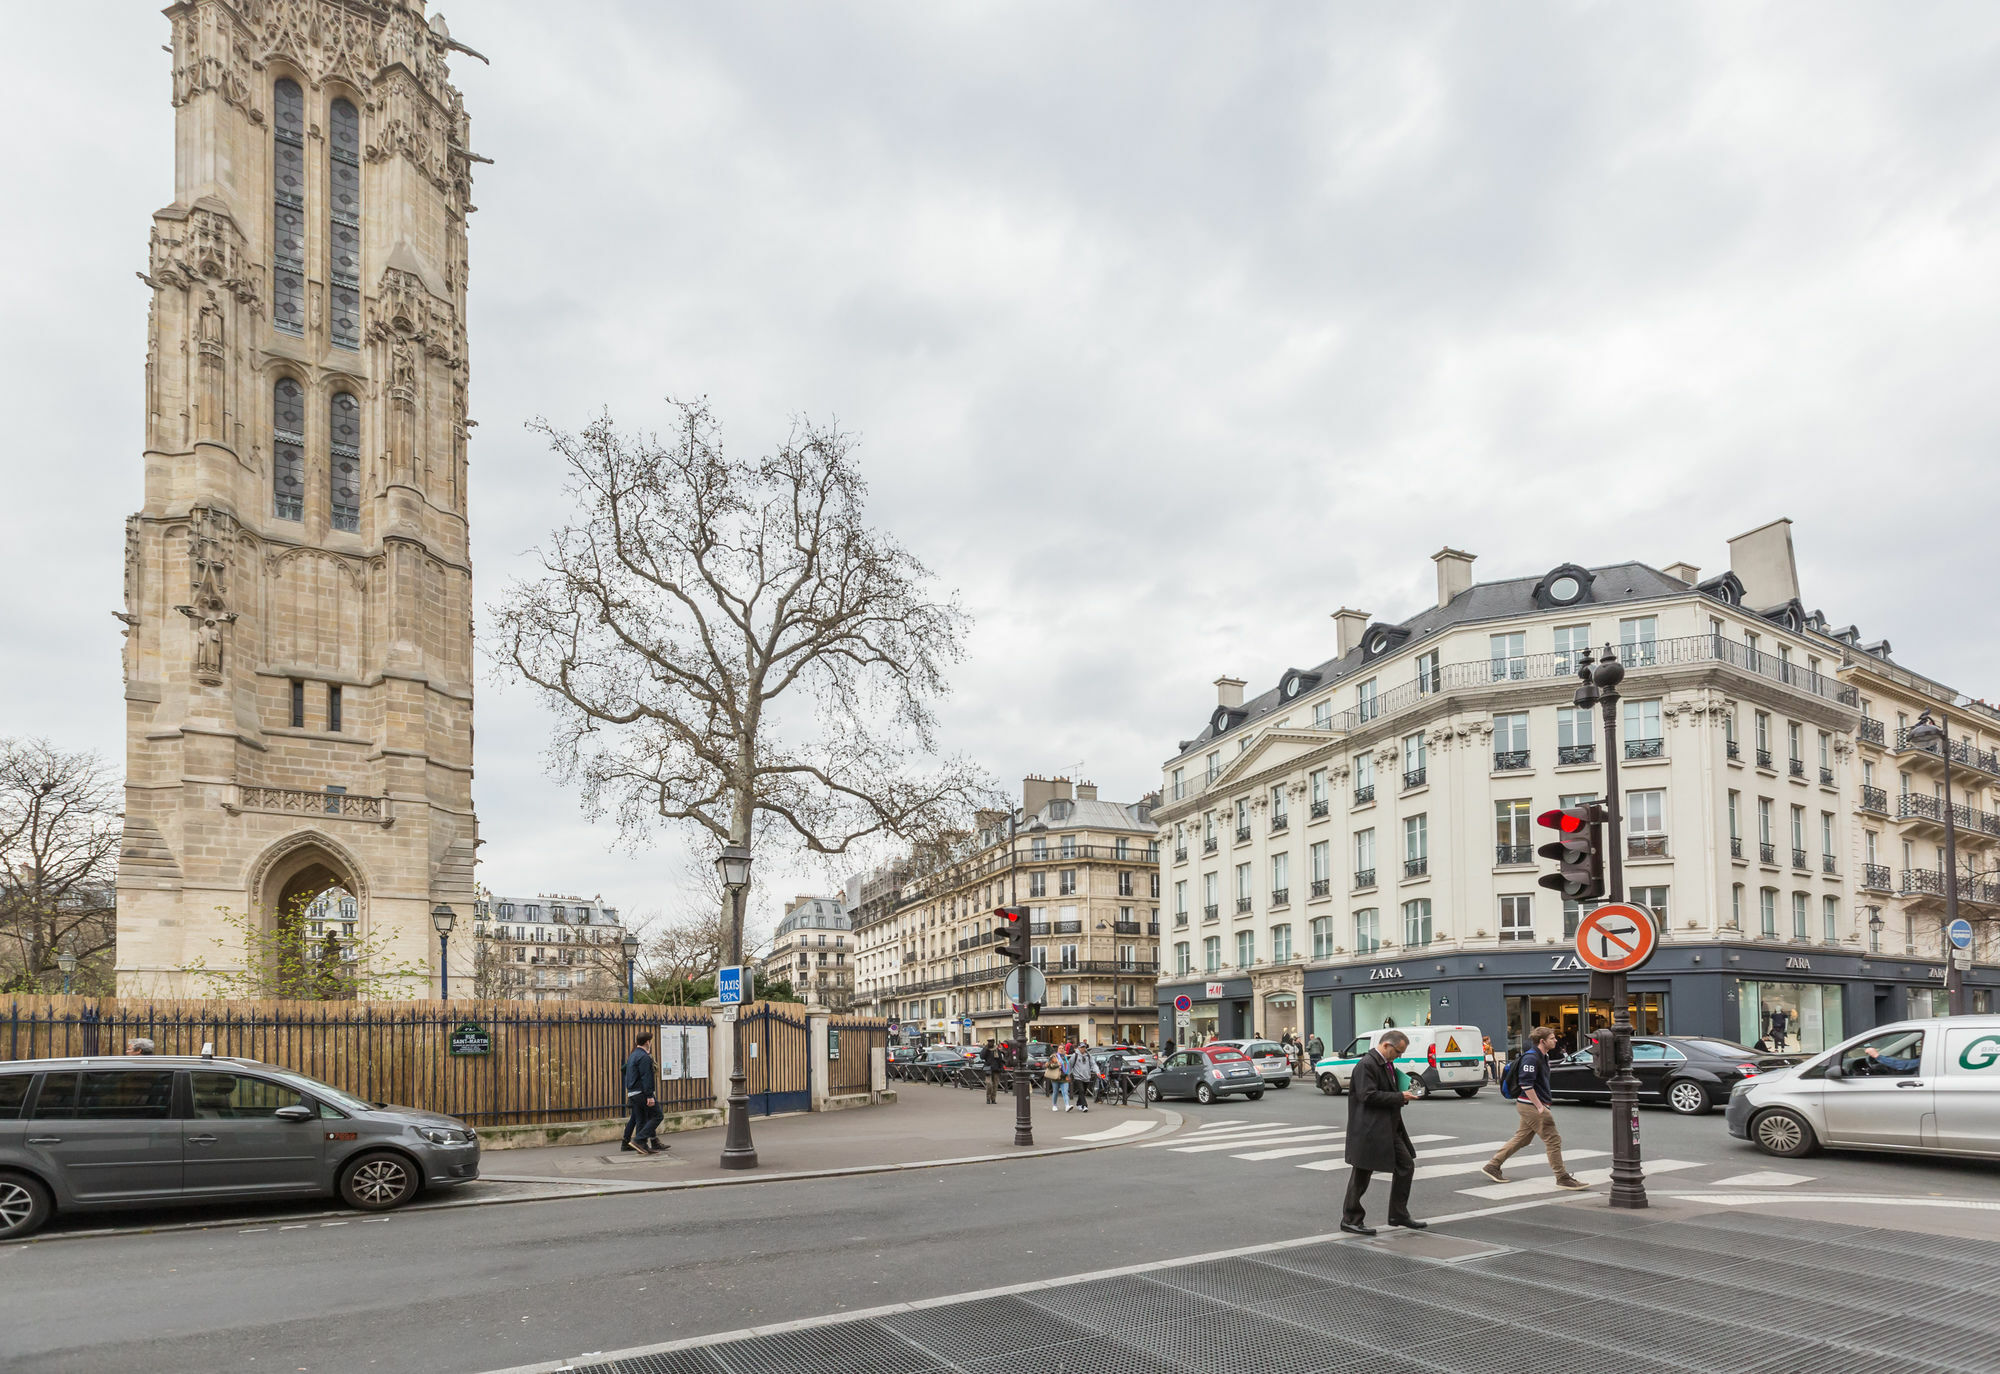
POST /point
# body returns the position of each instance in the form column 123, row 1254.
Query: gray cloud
column 1168, row 328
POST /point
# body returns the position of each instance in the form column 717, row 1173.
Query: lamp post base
column 737, row 1151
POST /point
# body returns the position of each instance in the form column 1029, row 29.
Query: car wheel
column 1204, row 1094
column 1282, row 1083
column 1419, row 1087
column 1688, row 1098
column 1256, row 1095
column 1152, row 1092
column 24, row 1206
column 1329, row 1085
column 1783, row 1133
column 1467, row 1092
column 378, row 1181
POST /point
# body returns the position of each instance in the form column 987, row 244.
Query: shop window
column 1789, row 1018
column 1389, row 1010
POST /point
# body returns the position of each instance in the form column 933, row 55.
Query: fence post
column 878, row 1069
column 821, row 1076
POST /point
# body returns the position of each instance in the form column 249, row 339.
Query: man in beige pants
column 1532, row 1101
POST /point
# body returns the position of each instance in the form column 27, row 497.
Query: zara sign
column 1389, row 972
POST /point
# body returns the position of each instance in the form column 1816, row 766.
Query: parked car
column 1929, row 1086
column 938, row 1064
column 1205, row 1074
column 1124, row 1061
column 1436, row 1057
column 1273, row 1065
column 1691, row 1074
column 80, row 1135
column 901, row 1057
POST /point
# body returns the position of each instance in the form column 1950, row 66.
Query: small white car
column 1268, row 1055
column 1437, row 1057
column 1929, row 1086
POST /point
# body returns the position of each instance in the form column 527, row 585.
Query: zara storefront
column 1794, row 999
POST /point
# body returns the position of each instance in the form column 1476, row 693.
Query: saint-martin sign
column 1616, row 938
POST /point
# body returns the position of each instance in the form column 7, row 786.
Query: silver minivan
column 1926, row 1086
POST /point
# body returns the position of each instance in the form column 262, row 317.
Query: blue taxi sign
column 729, row 985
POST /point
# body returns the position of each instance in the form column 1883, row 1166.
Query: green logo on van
column 1981, row 1053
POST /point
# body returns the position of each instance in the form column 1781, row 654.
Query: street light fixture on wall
column 630, row 944
column 443, row 918
column 737, row 1150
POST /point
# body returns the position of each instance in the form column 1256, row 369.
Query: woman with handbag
column 1057, row 1073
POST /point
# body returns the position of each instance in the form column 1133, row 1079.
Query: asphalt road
column 489, row 1287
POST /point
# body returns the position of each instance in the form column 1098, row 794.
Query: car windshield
column 325, row 1092
column 1221, row 1056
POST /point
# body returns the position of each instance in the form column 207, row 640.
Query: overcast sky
column 1168, row 328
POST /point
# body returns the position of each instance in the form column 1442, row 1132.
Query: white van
column 1928, row 1086
column 1456, row 1053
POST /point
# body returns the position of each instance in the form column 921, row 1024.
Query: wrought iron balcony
column 1915, row 806
column 1364, row 877
column 1180, row 920
column 1069, row 927
column 1364, row 795
column 1242, row 834
column 1152, row 927
column 1763, row 758
column 1281, row 896
column 1735, row 846
column 1825, row 776
column 1874, row 799
column 1644, row 748
column 1826, row 863
column 1797, row 766
column 1510, row 760
column 1415, row 777
column 1322, row 886
column 1646, row 846
column 1962, row 752
column 1129, row 927
column 1733, row 749
column 1210, row 913
column 1281, row 821
column 1319, row 809
column 1513, row 854
column 1208, row 845
column 1576, row 753
column 1869, row 731
column 1180, row 854
column 1416, row 868
column 1876, row 876
column 1767, row 852
column 1242, row 905
column 1920, row 881
column 1799, row 859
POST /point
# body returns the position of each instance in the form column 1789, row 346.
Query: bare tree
column 60, row 828
column 728, row 644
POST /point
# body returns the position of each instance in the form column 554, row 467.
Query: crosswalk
column 1319, row 1148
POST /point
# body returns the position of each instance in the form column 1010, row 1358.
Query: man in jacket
column 640, row 1100
column 1376, row 1137
column 1082, row 1076
column 989, row 1062
column 1532, row 1101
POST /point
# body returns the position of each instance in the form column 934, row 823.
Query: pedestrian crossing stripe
column 1327, row 1166
column 1295, row 1134
column 1547, row 1184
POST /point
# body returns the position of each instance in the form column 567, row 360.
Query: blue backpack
column 1510, row 1077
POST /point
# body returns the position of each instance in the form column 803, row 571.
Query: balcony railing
column 1915, row 806
column 1242, row 834
column 1180, row 920
column 1735, row 846
column 1281, row 896
column 1510, row 760
column 1069, row 927
column 1646, row 846
column 1825, row 776
column 1319, row 809
column 1364, row 877
column 1644, row 748
column 1322, row 887
column 1280, row 822
column 1416, row 868
column 1415, row 777
column 1576, row 753
column 1877, row 877
column 1797, row 767
column 1513, row 854
column 1962, row 751
column 1208, row 845
column 1767, row 852
column 1129, row 927
column 1869, row 730
column 1826, row 863
column 1799, row 860
column 1180, row 854
column 1733, row 749
column 1210, row 913
column 1764, row 758
column 1874, row 799
column 1038, row 927
column 1364, row 795
column 1918, row 881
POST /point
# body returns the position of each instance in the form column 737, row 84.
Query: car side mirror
column 295, row 1113
column 1835, row 1072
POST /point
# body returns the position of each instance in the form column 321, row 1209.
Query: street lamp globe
column 734, row 866
column 443, row 918
column 66, row 962
column 1875, row 922
column 631, row 945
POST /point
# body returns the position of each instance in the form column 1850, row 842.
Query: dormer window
column 1296, row 682
column 1226, row 719
column 1563, row 586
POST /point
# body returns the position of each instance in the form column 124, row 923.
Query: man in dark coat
column 641, row 1099
column 1376, row 1137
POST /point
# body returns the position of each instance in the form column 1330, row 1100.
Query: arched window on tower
column 288, row 450
column 344, row 222
column 288, row 193
column 345, row 469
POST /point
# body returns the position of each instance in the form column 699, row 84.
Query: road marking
column 1232, row 1128
column 1334, row 1166
column 1118, row 1132
column 1473, row 1166
column 1532, row 1186
column 1298, row 1135
column 300, row 1227
column 1766, row 1179
column 1751, row 1199
column 1237, row 1121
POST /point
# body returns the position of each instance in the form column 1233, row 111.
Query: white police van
column 1436, row 1058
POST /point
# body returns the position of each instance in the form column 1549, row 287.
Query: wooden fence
column 543, row 1062
column 858, row 1036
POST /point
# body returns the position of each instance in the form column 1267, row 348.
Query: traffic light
column 1578, row 851
column 1014, row 922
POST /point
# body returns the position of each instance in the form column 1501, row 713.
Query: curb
column 582, row 1188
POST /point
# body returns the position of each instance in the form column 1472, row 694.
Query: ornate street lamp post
column 443, row 918
column 630, row 944
column 1922, row 733
column 737, row 1150
column 67, row 963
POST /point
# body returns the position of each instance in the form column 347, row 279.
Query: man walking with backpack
column 1525, row 1083
column 640, row 1099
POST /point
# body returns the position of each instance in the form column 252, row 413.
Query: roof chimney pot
column 1229, row 691
column 1454, row 572
column 1351, row 623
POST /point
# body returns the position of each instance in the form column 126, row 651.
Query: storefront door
column 1649, row 1017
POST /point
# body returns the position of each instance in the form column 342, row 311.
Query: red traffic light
column 1569, row 822
column 1008, row 914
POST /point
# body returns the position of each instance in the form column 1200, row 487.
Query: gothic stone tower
column 298, row 651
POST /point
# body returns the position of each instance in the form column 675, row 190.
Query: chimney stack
column 1763, row 562
column 1038, row 791
column 1454, row 572
column 1086, row 791
column 1686, row 572
column 1229, row 691
column 1351, row 623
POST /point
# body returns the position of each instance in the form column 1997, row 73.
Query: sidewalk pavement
column 927, row 1124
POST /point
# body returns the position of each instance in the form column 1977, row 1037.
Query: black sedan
column 1691, row 1074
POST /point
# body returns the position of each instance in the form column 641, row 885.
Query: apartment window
column 1038, row 884
column 1366, row 706
column 1322, row 930
column 1576, row 741
column 1795, row 747
column 1323, row 715
column 1246, row 948
column 1417, row 922
column 1517, row 918
column 1124, row 884
column 1513, row 841
column 1281, row 815
column 1183, row 958
column 1825, row 757
column 1243, row 887
column 1242, row 820
column 1364, row 857
column 1428, row 678
column 1416, row 845
column 1069, row 846
column 298, row 705
column 1316, row 783
column 1510, row 741
column 1211, row 891
column 333, row 707
column 1798, row 837
column 1416, row 760
column 1154, row 893
column 1729, row 743
column 1038, row 848
column 1319, row 859
column 1068, row 998
column 1208, row 836
column 1767, row 842
column 1829, row 918
column 1571, row 641
column 1736, row 906
column 1180, row 902
column 1799, row 915
column 1214, row 766
column 1646, row 823
column 1636, row 636
column 1826, row 840
column 1642, row 729
column 1121, row 848
column 1281, row 878
column 1572, row 917
column 1763, row 739
column 1510, row 656
column 1767, row 912
column 1654, row 899
column 1180, row 783
column 1367, row 930
column 1281, row 943
column 1736, row 824
column 1066, row 882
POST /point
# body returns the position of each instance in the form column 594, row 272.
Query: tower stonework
column 298, row 597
